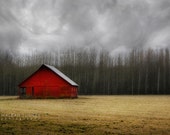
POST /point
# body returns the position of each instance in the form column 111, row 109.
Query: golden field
column 91, row 115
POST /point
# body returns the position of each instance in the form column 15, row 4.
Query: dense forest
column 96, row 71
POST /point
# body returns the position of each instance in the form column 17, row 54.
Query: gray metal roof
column 61, row 74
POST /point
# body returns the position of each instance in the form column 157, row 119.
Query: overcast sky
column 116, row 25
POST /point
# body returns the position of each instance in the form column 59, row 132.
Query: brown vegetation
column 86, row 115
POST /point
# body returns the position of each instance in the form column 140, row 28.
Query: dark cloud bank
column 115, row 25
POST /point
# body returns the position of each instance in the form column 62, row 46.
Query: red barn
column 48, row 82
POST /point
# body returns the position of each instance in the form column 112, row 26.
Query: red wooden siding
column 45, row 83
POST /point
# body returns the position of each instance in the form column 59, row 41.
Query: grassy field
column 92, row 115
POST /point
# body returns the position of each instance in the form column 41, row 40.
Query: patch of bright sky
column 160, row 39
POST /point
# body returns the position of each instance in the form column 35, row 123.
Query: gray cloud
column 116, row 25
column 10, row 31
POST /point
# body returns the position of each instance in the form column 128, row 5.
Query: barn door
column 22, row 92
column 32, row 91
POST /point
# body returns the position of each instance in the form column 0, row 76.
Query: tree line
column 96, row 71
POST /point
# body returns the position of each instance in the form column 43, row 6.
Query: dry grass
column 86, row 115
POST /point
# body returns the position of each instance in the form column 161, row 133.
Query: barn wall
column 48, row 92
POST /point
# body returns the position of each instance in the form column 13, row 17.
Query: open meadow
column 92, row 115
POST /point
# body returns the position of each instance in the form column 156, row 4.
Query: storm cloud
column 115, row 25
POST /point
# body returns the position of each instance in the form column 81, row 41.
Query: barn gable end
column 46, row 82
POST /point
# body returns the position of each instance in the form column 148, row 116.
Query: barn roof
column 56, row 71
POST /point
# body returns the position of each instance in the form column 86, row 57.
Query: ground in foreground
column 86, row 115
